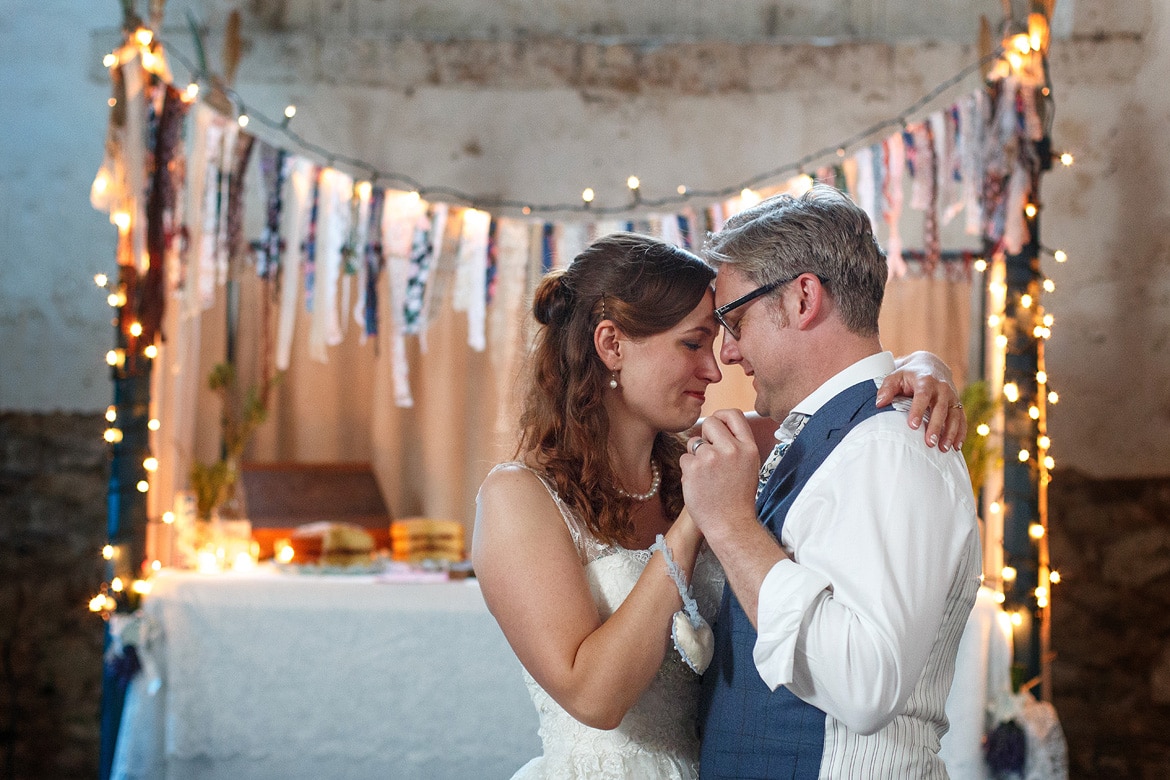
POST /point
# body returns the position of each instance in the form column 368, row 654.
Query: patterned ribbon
column 274, row 164
column 789, row 429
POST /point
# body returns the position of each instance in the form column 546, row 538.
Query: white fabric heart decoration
column 696, row 644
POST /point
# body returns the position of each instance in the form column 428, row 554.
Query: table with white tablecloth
column 284, row 675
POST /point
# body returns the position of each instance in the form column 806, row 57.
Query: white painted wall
column 375, row 80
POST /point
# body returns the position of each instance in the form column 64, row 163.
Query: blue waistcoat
column 747, row 730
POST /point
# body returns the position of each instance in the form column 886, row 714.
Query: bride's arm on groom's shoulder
column 535, row 585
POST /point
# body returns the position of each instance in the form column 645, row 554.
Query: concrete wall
column 486, row 98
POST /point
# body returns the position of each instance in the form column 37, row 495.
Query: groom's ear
column 607, row 340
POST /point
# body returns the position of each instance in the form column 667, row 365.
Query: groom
column 853, row 563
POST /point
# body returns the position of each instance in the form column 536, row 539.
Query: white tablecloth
column 272, row 675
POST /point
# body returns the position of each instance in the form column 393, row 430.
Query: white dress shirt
column 864, row 621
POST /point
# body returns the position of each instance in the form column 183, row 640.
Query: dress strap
column 588, row 548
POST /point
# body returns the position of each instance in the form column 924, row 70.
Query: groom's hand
column 720, row 471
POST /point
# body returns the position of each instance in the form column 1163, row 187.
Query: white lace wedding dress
column 657, row 739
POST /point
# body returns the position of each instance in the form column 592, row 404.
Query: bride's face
column 664, row 377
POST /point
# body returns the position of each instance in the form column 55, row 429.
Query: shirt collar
column 877, row 367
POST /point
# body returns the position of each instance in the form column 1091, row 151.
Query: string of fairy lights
column 1012, row 313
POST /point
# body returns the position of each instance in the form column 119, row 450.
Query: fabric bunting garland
column 389, row 259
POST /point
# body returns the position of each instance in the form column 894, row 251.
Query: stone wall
column 52, row 528
column 1110, row 541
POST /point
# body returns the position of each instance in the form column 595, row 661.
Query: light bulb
column 1017, row 619
column 981, row 265
column 587, row 195
column 116, row 585
column 1044, row 442
column 135, row 329
column 1011, row 391
column 1054, row 577
column 192, row 91
column 143, row 486
column 243, row 120
column 109, row 60
column 995, row 506
column 993, row 321
column 633, row 183
column 1049, row 285
column 1049, row 463
column 1034, row 412
column 1059, row 256
column 150, row 463
column 1026, row 301
column 1042, row 377
column 290, row 111
column 1066, row 159
column 168, row 517
column 1024, row 455
column 1001, row 341
column 108, row 552
column 143, row 36
column 1008, row 573
column 111, row 413
column 1036, row 531
column 983, row 429
column 1053, row 398
column 153, row 424
column 682, row 189
column 151, row 351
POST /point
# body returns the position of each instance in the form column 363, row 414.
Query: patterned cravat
column 789, row 429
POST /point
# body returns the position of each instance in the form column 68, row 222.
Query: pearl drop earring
column 613, row 382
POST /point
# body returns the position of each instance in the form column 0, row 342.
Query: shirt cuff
column 786, row 594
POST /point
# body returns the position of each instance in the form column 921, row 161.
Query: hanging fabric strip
column 929, row 164
column 894, row 154
column 489, row 279
column 548, row 247
column 268, row 248
column 208, row 212
column 223, row 253
column 236, row 247
column 332, row 226
column 374, row 261
column 668, row 229
column 866, row 194
column 189, row 282
column 470, row 274
column 360, row 234
column 571, row 240
column 951, row 172
column 161, row 219
column 295, row 220
column 433, row 299
column 972, row 119
column 1015, row 229
column 849, row 165
column 421, row 255
column 134, row 151
column 400, row 213
column 508, row 303
column 309, row 247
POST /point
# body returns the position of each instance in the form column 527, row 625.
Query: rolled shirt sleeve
column 876, row 537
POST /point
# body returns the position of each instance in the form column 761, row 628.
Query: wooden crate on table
column 279, row 497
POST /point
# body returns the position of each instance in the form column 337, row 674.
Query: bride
column 575, row 541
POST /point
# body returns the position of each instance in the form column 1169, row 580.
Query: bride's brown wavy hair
column 645, row 287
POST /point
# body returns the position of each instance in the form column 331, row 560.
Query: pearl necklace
column 655, row 481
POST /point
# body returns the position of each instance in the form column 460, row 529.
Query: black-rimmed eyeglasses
column 722, row 311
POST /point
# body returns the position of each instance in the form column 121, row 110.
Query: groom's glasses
column 722, row 312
